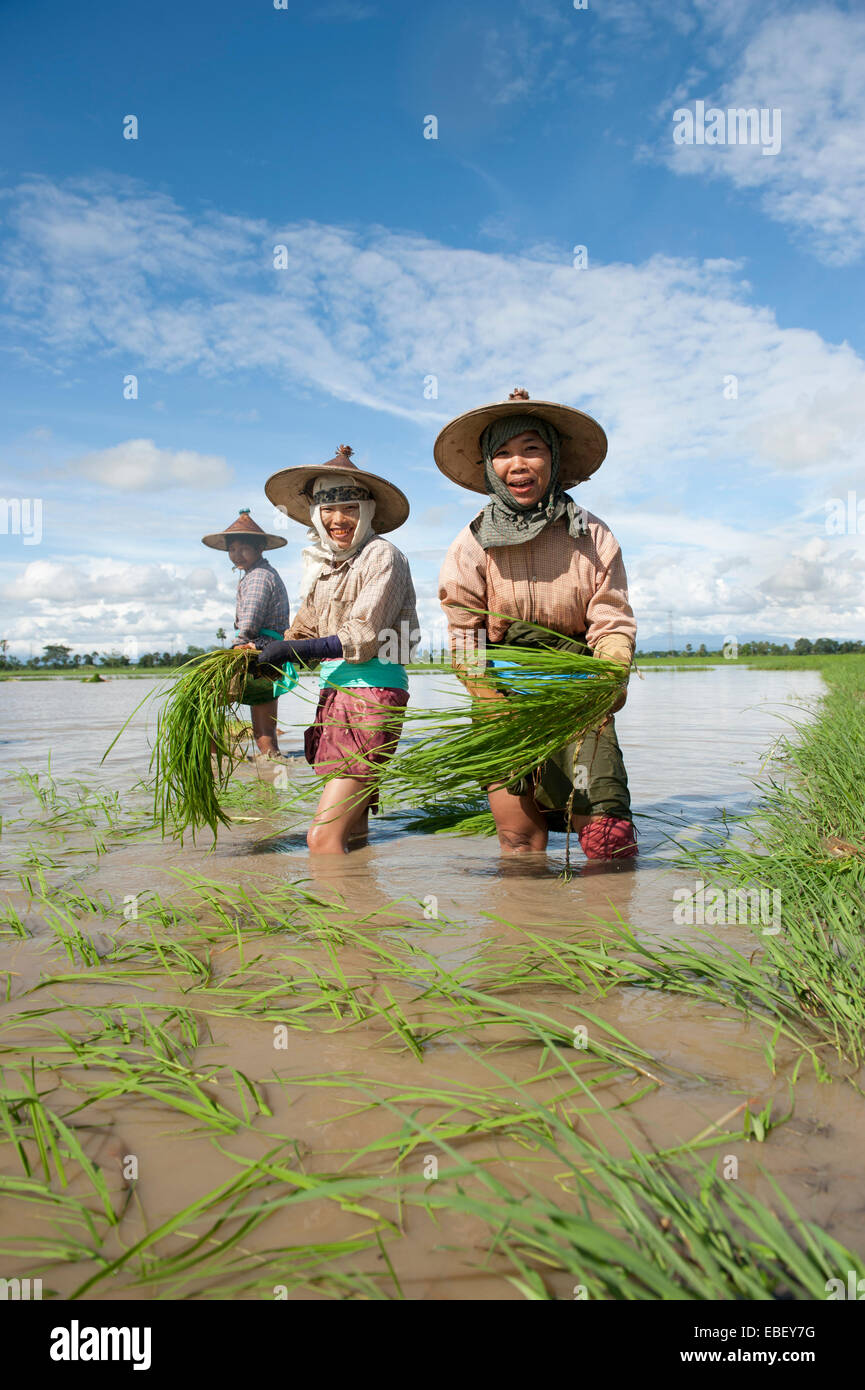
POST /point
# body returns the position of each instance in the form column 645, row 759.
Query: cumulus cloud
column 102, row 603
column 56, row 581
column 813, row 589
column 809, row 67
column 137, row 465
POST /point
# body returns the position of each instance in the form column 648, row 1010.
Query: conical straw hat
column 291, row 490
column 243, row 526
column 457, row 450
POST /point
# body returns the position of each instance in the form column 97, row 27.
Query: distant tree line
column 803, row 646
column 56, row 657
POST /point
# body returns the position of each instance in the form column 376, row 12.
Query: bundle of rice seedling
column 197, row 741
column 196, row 751
column 552, row 697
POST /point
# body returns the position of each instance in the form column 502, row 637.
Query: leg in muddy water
column 341, row 816
column 264, row 726
column 521, row 827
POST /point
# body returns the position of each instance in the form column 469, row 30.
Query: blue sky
column 411, row 257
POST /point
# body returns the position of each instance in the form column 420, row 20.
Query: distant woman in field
column 262, row 614
column 533, row 556
column 358, row 619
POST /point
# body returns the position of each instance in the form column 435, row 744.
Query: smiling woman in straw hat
column 533, row 556
column 358, row 618
column 262, row 613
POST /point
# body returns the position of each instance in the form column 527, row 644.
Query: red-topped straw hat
column 457, row 450
column 291, row 490
column 243, row 526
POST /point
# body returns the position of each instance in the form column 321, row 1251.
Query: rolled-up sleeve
column 377, row 608
column 305, row 623
column 611, row 629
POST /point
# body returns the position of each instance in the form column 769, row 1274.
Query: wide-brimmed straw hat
column 457, row 450
column 291, row 490
column 244, row 526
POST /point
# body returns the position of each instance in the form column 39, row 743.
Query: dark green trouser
column 592, row 772
column 597, row 780
column 257, row 690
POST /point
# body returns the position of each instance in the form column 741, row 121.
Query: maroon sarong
column 353, row 730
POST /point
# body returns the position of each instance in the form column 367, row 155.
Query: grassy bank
column 806, row 843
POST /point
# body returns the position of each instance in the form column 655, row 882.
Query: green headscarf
column 505, row 521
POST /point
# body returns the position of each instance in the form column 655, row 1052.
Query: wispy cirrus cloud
column 808, row 66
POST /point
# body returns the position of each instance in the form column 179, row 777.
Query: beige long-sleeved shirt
column 572, row 586
column 368, row 600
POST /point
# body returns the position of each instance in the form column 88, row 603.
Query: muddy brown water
column 693, row 742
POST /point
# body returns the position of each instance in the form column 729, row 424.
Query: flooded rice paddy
column 236, row 1060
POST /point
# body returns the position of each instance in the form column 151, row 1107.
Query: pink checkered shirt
column 572, row 586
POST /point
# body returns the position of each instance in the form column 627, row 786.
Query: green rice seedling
column 220, row 1268
column 633, row 1228
column 10, row 922
column 710, row 970
column 461, row 816
column 554, row 696
column 228, row 1214
column 477, row 743
column 193, row 733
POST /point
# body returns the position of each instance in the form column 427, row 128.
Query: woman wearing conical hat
column 262, row 613
column 533, row 556
column 358, row 619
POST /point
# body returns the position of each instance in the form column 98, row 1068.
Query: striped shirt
column 572, row 586
column 262, row 601
column 367, row 600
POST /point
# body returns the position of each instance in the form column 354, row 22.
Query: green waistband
column 288, row 679
column 386, row 675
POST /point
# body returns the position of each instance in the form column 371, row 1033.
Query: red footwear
column 609, row 838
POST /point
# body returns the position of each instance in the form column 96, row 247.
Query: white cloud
column 51, row 582
column 813, row 590
column 810, row 67
column 366, row 317
column 137, row 465
column 100, row 604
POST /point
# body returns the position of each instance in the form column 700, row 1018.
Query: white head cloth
column 317, row 556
